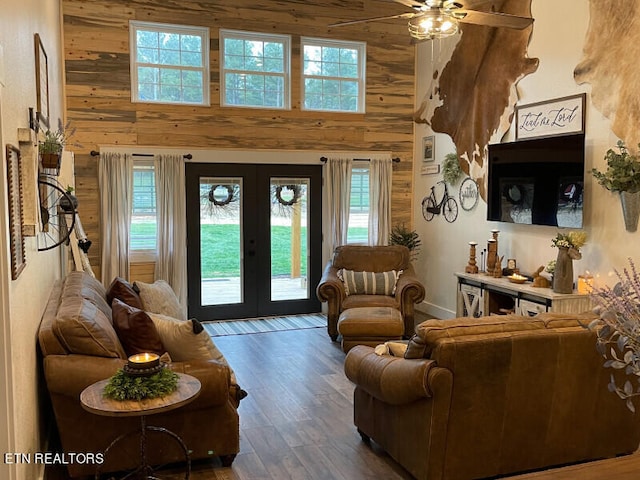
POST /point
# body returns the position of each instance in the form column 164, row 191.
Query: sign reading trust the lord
column 561, row 116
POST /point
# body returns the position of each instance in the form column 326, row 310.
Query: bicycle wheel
column 57, row 215
column 428, row 207
column 450, row 210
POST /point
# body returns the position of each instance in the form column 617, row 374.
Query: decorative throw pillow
column 369, row 283
column 135, row 329
column 123, row 290
column 187, row 340
column 159, row 297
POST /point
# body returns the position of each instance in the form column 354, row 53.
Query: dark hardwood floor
column 297, row 423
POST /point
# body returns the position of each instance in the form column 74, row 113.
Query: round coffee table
column 93, row 400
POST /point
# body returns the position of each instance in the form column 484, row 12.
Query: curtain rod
column 394, row 160
column 188, row 156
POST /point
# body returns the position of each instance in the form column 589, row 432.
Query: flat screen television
column 537, row 181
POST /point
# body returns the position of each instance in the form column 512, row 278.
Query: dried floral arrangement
column 618, row 330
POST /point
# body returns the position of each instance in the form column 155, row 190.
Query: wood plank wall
column 96, row 51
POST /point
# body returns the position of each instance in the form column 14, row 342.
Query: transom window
column 255, row 69
column 169, row 63
column 333, row 75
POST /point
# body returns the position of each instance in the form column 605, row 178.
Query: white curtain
column 115, row 180
column 338, row 184
column 380, row 176
column 171, row 263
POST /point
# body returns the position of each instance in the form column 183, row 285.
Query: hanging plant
column 290, row 198
column 451, row 170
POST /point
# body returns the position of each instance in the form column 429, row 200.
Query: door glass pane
column 289, row 238
column 221, row 240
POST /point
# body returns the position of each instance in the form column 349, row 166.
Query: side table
column 94, row 401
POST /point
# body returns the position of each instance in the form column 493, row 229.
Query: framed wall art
column 14, row 180
column 428, row 148
column 560, row 116
column 42, row 82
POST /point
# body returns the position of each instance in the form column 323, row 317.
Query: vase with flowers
column 568, row 245
column 618, row 331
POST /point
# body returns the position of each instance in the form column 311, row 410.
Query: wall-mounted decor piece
column 430, row 169
column 42, row 82
column 14, row 181
column 428, row 148
column 469, row 194
column 561, row 116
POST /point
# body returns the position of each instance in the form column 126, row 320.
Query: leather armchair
column 409, row 290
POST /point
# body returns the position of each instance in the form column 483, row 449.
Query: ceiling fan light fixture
column 433, row 24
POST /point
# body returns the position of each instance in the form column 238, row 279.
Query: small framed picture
column 428, row 148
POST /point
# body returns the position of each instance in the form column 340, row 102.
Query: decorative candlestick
column 492, row 254
column 472, row 267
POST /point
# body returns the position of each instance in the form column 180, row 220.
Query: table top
column 527, row 287
column 93, row 400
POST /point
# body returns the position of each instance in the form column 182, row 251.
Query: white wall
column 558, row 35
column 24, row 299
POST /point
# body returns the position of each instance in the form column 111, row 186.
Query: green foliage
column 623, row 171
column 124, row 387
column 451, row 170
column 401, row 235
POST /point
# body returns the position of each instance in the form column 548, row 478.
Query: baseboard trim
column 435, row 311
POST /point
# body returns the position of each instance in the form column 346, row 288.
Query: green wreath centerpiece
column 127, row 387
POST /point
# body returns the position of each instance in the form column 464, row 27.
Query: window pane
column 334, row 61
column 170, row 46
column 254, row 60
column 358, row 230
column 143, row 217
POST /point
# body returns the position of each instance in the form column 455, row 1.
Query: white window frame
column 361, row 47
column 260, row 37
column 141, row 255
column 202, row 32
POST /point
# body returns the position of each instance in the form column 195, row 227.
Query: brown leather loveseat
column 491, row 396
column 408, row 292
column 77, row 319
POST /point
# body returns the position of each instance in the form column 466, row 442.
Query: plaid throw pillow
column 369, row 283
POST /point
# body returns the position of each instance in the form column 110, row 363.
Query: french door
column 254, row 239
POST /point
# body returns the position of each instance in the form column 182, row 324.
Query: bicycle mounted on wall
column 447, row 205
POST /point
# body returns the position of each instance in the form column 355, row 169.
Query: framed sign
column 14, row 181
column 561, row 116
column 42, row 82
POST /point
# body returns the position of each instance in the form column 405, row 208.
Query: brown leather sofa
column 491, row 396
column 409, row 290
column 209, row 426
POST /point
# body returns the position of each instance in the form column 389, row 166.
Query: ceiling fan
column 440, row 18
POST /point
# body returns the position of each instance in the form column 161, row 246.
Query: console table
column 480, row 294
column 93, row 400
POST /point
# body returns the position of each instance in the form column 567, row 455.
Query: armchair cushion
column 369, row 283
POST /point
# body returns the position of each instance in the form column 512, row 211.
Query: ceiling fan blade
column 410, row 3
column 373, row 19
column 494, row 19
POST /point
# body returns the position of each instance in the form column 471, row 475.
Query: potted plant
column 401, row 235
column 51, row 147
column 623, row 176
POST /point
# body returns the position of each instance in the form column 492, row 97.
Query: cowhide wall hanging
column 475, row 95
column 610, row 64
